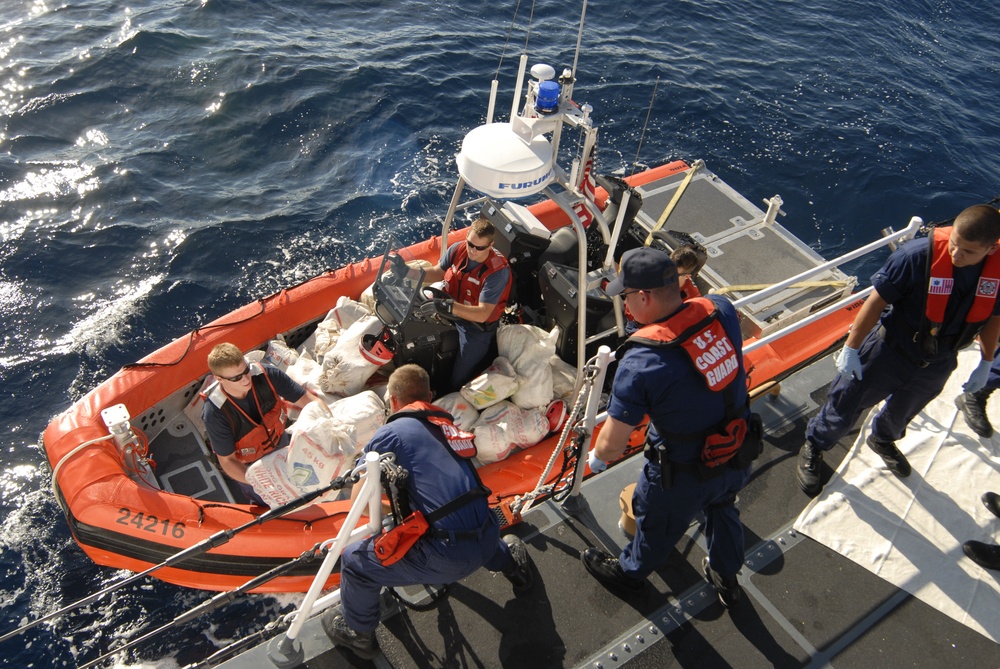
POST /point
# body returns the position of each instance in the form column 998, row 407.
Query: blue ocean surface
column 165, row 161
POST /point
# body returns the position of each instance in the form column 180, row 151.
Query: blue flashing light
column 548, row 97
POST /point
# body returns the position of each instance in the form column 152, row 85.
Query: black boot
column 519, row 575
column 605, row 568
column 807, row 473
column 727, row 587
column 362, row 644
column 991, row 501
column 973, row 407
column 893, row 458
column 986, row 556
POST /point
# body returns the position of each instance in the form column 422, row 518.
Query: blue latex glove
column 848, row 362
column 977, row 380
column 596, row 465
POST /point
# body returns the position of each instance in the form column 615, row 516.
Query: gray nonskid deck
column 805, row 605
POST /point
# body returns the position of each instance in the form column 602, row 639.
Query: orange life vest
column 940, row 283
column 465, row 285
column 688, row 287
column 460, row 441
column 696, row 327
column 253, row 440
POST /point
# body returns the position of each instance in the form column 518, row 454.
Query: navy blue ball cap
column 643, row 269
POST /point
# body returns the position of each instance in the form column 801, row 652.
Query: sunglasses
column 238, row 377
column 478, row 248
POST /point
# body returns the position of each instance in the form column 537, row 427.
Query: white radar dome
column 498, row 163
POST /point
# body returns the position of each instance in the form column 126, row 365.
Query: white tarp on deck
column 910, row 531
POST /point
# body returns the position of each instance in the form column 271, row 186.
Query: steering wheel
column 433, row 293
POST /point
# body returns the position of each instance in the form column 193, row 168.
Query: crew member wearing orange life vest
column 245, row 409
column 479, row 281
column 932, row 297
column 684, row 369
column 442, row 484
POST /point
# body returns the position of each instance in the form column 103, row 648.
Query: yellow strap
column 751, row 287
column 698, row 164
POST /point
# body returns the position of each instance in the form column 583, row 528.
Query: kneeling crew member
column 420, row 435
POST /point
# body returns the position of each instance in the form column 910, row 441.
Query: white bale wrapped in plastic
column 492, row 444
column 496, row 384
column 321, row 448
column 325, row 443
column 529, row 348
column 523, row 427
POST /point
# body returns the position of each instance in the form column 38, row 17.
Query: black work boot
column 891, row 456
column 520, row 575
column 991, row 501
column 807, row 473
column 986, row 556
column 973, row 407
column 727, row 587
column 362, row 644
column 606, row 569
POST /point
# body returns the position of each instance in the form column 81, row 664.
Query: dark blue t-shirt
column 220, row 432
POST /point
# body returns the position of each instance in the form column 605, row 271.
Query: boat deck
column 804, row 604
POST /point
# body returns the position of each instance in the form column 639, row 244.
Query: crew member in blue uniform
column 479, row 281
column 932, row 297
column 973, row 404
column 427, row 445
column 244, row 413
column 690, row 388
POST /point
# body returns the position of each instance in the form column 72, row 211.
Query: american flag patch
column 940, row 286
column 987, row 288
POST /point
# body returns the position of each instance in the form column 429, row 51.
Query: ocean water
column 163, row 162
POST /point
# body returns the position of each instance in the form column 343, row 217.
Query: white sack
column 267, row 476
column 359, row 416
column 345, row 370
column 523, row 427
column 279, row 354
column 462, row 411
column 563, row 379
column 491, row 444
column 497, row 383
column 529, row 348
column 319, row 450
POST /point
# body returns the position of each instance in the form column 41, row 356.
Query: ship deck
column 805, row 604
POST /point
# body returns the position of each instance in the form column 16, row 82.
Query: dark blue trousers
column 663, row 516
column 887, row 375
column 430, row 561
column 994, row 380
column 473, row 345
